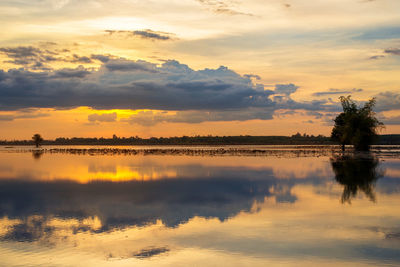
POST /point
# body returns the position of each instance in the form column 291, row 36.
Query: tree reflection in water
column 37, row 154
column 356, row 172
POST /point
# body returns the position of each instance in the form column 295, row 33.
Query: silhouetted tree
column 356, row 126
column 356, row 173
column 37, row 139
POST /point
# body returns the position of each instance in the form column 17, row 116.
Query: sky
column 94, row 68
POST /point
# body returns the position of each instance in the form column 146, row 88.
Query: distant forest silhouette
column 296, row 139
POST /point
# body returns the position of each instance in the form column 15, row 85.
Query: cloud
column 101, row 58
column 333, row 91
column 393, row 51
column 6, row 117
column 28, row 56
column 111, row 32
column 150, row 118
column 144, row 34
column 23, row 114
column 106, row 117
column 230, row 11
column 250, row 76
column 315, row 114
column 387, row 101
column 121, row 83
column 150, row 252
column 79, row 72
column 131, row 66
column 190, row 96
column 376, row 57
column 80, row 59
column 58, row 4
column 149, row 34
column 378, row 33
column 285, row 102
column 391, row 120
column 37, row 58
column 223, row 7
column 285, row 89
column 21, row 51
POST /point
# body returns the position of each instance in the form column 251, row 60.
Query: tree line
column 296, row 139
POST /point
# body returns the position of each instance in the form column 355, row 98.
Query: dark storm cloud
column 132, row 84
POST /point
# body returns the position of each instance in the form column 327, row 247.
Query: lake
column 202, row 206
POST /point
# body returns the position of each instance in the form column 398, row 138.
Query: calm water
column 60, row 209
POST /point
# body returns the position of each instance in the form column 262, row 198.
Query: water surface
column 294, row 209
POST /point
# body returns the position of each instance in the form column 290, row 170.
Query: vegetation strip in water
column 195, row 151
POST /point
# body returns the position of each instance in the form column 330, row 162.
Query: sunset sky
column 92, row 68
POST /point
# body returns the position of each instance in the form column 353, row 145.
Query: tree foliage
column 356, row 126
column 37, row 139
